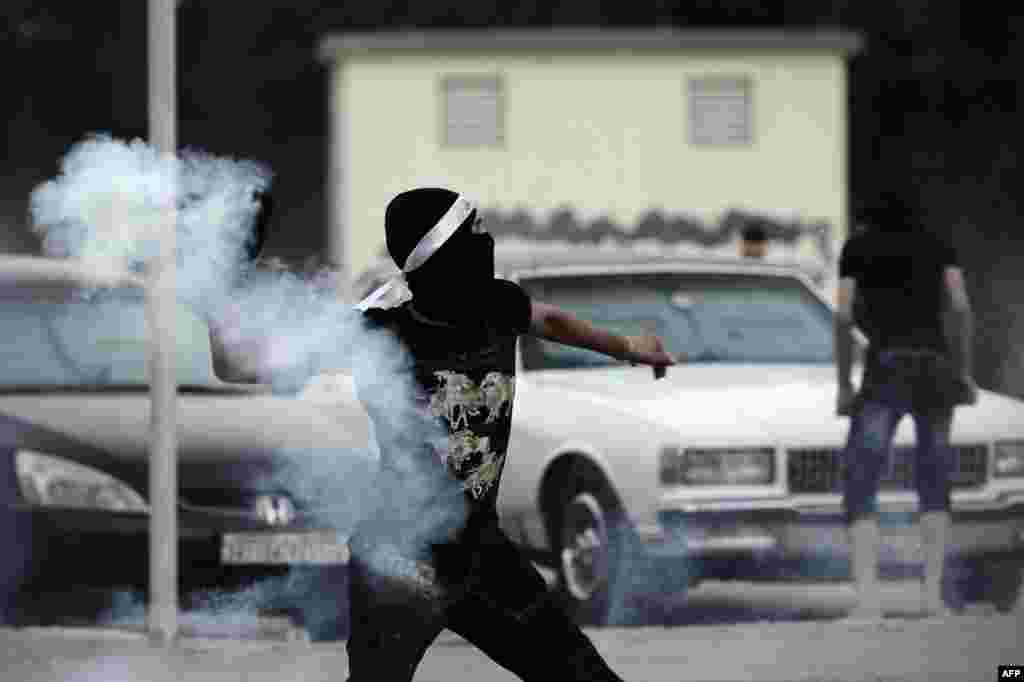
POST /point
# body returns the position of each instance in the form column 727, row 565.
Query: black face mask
column 454, row 282
column 480, row 257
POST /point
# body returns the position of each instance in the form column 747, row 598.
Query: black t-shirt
column 900, row 287
column 464, row 382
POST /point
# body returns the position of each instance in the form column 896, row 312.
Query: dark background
column 933, row 105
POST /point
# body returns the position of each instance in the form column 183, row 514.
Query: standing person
column 753, row 241
column 431, row 555
column 905, row 289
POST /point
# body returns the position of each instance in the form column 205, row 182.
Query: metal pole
column 338, row 239
column 160, row 295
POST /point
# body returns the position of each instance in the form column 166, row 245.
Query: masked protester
column 431, row 555
column 904, row 288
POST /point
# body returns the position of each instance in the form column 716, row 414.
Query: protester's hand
column 241, row 357
column 845, row 400
column 227, row 323
column 649, row 349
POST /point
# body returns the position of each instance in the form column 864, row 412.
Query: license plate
column 313, row 547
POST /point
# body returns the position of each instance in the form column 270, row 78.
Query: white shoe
column 864, row 543
column 934, row 537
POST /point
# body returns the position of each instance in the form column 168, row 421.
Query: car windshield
column 723, row 318
column 98, row 342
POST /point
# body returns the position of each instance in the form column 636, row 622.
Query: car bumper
column 195, row 523
column 101, row 547
column 775, row 544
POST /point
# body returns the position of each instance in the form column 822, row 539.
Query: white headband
column 396, row 290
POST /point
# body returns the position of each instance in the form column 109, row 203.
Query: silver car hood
column 223, row 437
column 794, row 404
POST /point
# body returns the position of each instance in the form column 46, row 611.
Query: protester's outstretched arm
column 844, row 341
column 554, row 324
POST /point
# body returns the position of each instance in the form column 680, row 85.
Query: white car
column 729, row 467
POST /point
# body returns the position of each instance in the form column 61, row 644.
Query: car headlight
column 1009, row 460
column 49, row 481
column 717, row 466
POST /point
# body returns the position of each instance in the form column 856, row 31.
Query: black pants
column 481, row 587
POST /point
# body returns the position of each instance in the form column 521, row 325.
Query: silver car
column 259, row 473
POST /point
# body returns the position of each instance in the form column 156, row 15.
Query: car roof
column 517, row 260
column 522, row 261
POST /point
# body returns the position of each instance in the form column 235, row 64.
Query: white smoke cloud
column 105, row 208
column 111, row 198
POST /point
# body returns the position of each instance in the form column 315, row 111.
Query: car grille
column 820, row 470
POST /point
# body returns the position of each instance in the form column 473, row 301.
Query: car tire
column 593, row 546
column 19, row 562
column 1003, row 585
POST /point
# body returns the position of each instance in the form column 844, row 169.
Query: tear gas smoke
column 103, row 209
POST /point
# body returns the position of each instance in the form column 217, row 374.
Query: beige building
column 673, row 138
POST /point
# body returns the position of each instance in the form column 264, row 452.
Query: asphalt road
column 711, row 603
column 963, row 648
column 728, row 603
column 720, row 632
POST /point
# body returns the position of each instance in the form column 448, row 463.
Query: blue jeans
column 892, row 390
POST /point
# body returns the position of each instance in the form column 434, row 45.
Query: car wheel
column 592, row 548
column 1003, row 585
column 19, row 562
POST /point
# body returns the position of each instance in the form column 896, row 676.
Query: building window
column 473, row 111
column 720, row 111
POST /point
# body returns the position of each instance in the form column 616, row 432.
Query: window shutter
column 473, row 111
column 720, row 111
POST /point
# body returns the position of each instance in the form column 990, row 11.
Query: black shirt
column 900, row 287
column 463, row 382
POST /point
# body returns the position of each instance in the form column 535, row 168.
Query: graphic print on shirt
column 462, row 402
